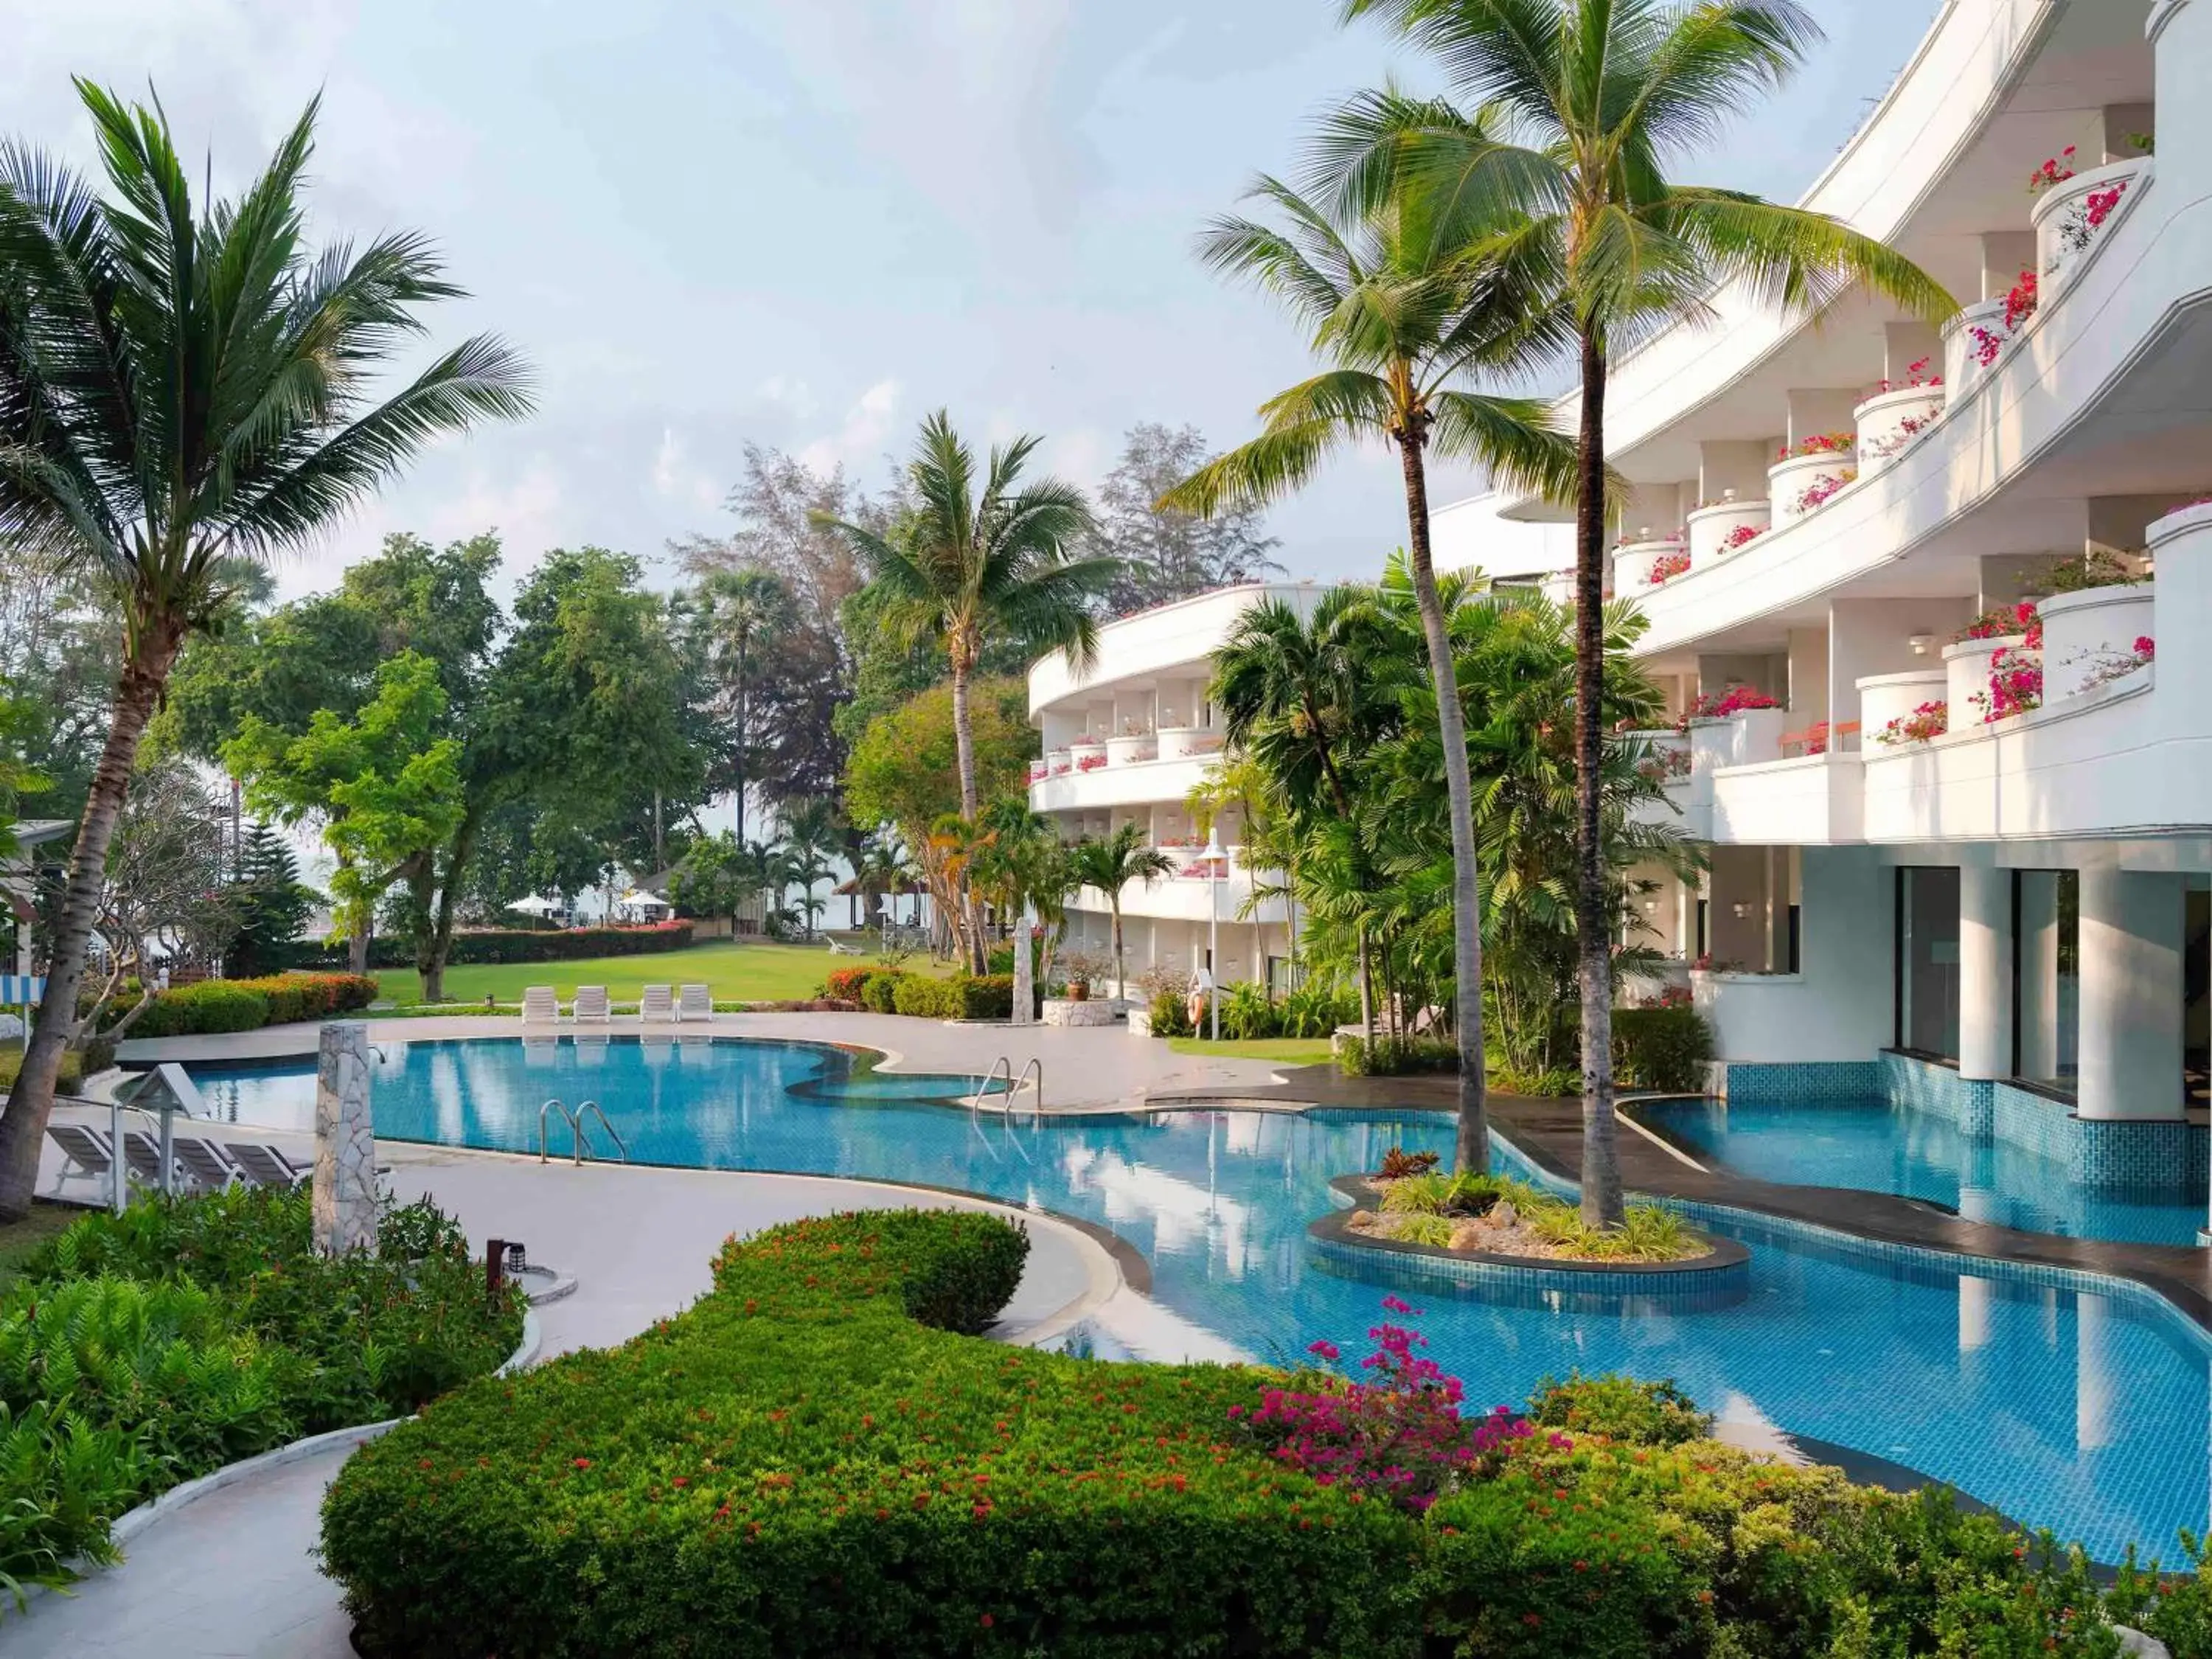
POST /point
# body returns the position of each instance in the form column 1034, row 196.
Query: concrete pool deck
column 232, row 1575
column 1085, row 1069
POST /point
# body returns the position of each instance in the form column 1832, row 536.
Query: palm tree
column 1406, row 325
column 1558, row 176
column 811, row 837
column 741, row 612
column 1016, row 859
column 1111, row 865
column 1236, row 782
column 181, row 389
column 970, row 565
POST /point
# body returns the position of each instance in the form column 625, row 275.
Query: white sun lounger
column 264, row 1166
column 591, row 1004
column 540, row 1005
column 655, row 1003
column 837, row 950
column 86, row 1149
column 143, row 1154
column 695, row 1002
column 204, row 1162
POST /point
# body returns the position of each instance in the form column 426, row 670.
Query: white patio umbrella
column 534, row 906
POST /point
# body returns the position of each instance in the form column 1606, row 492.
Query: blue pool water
column 2084, row 1412
column 1878, row 1147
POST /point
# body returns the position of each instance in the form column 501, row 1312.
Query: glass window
column 2046, row 934
column 1928, row 961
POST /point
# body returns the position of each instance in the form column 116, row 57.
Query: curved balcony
column 2124, row 343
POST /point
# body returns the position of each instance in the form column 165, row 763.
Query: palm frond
column 1792, row 257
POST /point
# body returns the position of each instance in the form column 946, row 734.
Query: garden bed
column 1499, row 1217
column 814, row 1459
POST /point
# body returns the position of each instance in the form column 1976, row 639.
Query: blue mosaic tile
column 1795, row 1082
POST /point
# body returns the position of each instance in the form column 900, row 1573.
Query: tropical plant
column 181, row 389
column 1406, row 325
column 977, row 559
column 1112, row 864
column 1557, row 181
column 813, row 834
column 740, row 614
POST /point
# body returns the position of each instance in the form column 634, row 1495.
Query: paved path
column 231, row 1574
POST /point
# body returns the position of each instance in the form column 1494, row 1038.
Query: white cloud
column 867, row 427
column 674, row 477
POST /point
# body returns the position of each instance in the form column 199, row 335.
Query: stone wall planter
column 1710, row 528
column 1788, row 481
column 1065, row 1011
column 1966, row 669
column 1889, row 422
column 1886, row 697
column 2087, row 631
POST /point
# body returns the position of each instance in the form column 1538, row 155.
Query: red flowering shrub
column 2054, row 172
column 1668, row 566
column 1742, row 536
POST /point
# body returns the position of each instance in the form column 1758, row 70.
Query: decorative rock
column 345, row 1143
column 1503, row 1217
column 1065, row 1011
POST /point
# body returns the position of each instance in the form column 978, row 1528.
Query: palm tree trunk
column 23, row 1127
column 963, row 740
column 1120, row 968
column 1601, row 1200
column 1472, row 1152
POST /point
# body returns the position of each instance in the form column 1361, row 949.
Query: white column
column 2131, row 1039
column 344, row 1197
column 2044, row 1050
column 1985, row 972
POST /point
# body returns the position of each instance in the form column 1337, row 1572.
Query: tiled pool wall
column 2153, row 1155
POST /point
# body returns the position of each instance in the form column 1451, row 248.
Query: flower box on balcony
column 2071, row 216
column 1966, row 669
column 1634, row 562
column 1803, row 483
column 1972, row 343
column 1123, row 752
column 1717, row 530
column 1187, row 742
column 1886, row 697
column 1889, row 421
column 2089, row 637
column 1059, row 763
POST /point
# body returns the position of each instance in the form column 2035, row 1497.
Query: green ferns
column 1425, row 1209
column 143, row 1350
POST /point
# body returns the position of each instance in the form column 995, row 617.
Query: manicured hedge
column 246, row 1005
column 988, row 996
column 1660, row 1048
column 810, row 1463
column 479, row 946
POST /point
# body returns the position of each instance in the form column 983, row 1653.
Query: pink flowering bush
column 1668, row 566
column 1398, row 1436
column 2054, row 172
column 2015, row 682
column 1724, row 705
column 1826, row 487
column 1930, row 719
column 1820, row 443
column 2002, row 624
column 1742, row 536
column 1916, row 376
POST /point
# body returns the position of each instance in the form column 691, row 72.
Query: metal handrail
column 1037, row 1108
column 1004, row 1063
column 575, row 1133
column 595, row 1110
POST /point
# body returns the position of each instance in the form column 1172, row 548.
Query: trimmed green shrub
column 1619, row 1408
column 987, row 996
column 925, row 999
column 1389, row 1056
column 212, row 1004
column 797, row 1467
column 1663, row 1049
column 879, row 991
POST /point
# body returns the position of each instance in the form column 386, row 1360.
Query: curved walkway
column 232, row 1574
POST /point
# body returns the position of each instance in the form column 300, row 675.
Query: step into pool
column 2075, row 1403
column 1876, row 1147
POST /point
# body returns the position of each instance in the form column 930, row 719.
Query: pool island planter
column 1718, row 1278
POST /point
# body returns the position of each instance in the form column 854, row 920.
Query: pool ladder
column 1005, row 1066
column 576, row 1120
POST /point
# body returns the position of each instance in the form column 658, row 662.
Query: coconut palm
column 812, row 836
column 979, row 560
column 1410, row 329
column 182, row 387
column 1558, row 176
column 1110, row 864
column 740, row 613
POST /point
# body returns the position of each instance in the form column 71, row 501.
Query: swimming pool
column 1877, row 1147
column 2084, row 1409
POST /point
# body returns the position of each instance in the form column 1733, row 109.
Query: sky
column 807, row 223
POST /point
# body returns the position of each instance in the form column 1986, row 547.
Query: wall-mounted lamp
column 1922, row 644
column 1651, row 907
column 1740, row 910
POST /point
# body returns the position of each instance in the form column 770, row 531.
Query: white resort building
column 1957, row 860
column 1127, row 743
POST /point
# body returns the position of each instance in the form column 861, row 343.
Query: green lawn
column 18, row 1239
column 739, row 971
column 1287, row 1051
